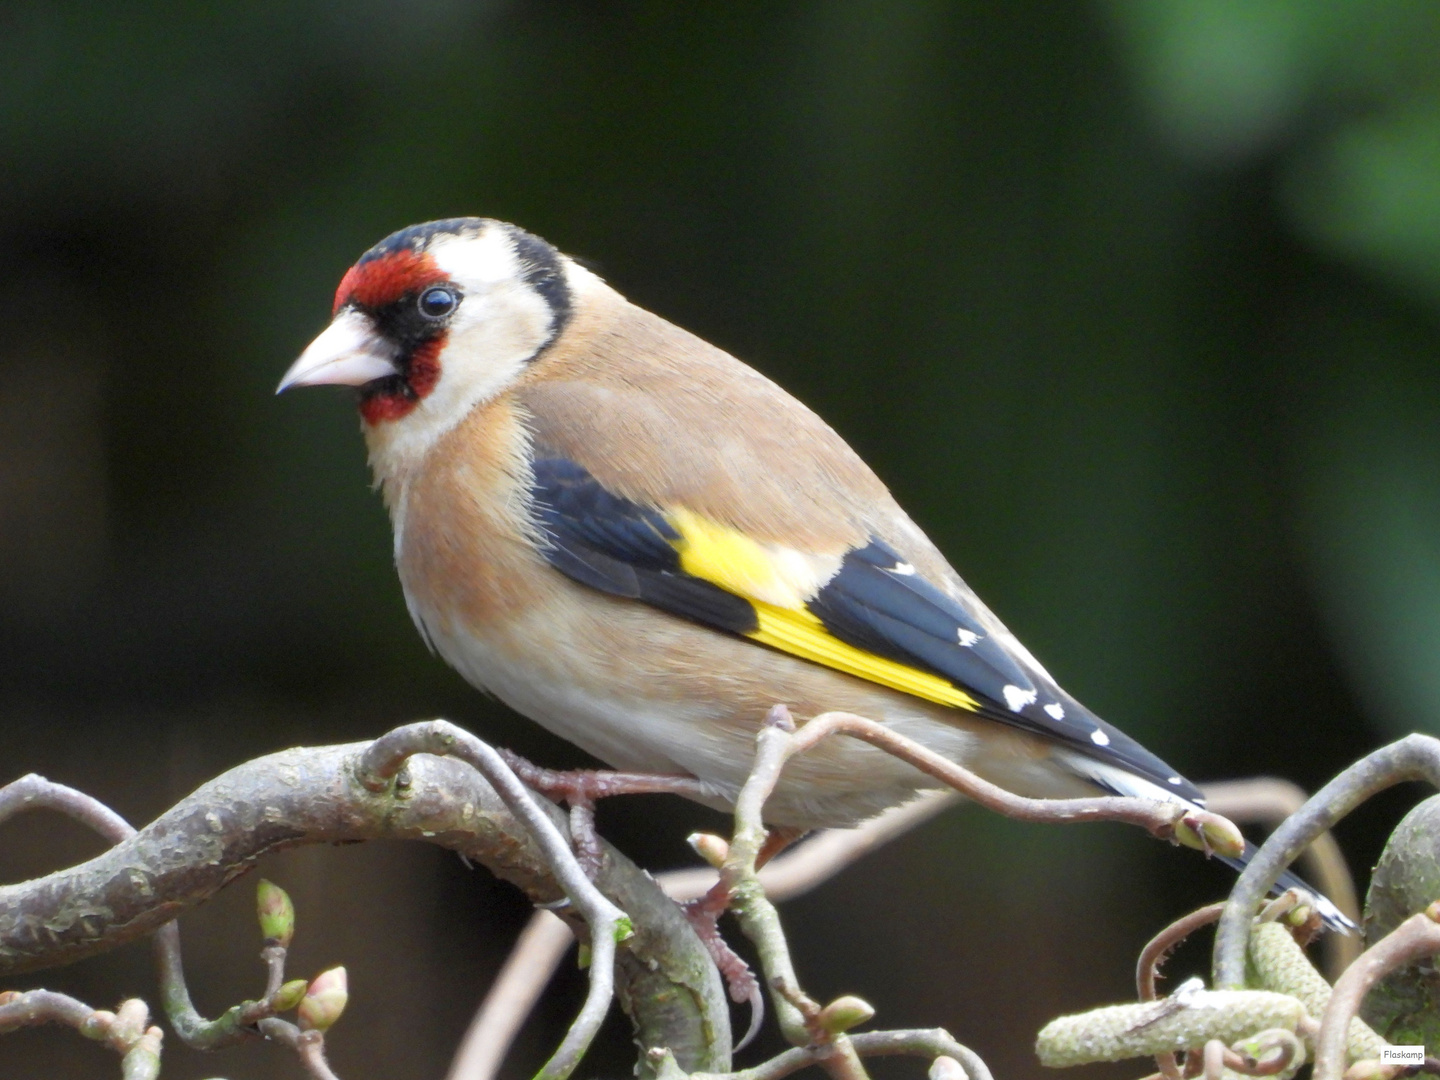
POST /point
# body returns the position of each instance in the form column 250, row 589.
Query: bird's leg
column 580, row 788
column 776, row 841
column 592, row 784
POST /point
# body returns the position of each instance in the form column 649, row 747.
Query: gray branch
column 315, row 795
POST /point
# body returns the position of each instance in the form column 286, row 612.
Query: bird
column 632, row 537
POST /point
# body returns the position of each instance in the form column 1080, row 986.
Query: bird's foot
column 584, row 839
column 704, row 915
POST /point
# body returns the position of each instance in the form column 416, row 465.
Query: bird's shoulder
column 662, row 417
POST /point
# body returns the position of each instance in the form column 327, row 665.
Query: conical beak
column 350, row 352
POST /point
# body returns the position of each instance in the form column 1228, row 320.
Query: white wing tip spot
column 1056, row 710
column 967, row 638
column 904, row 569
column 1017, row 699
column 1177, row 780
column 1099, row 738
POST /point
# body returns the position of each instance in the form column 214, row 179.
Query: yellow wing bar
column 778, row 582
column 802, row 634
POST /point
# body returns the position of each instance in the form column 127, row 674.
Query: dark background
column 1133, row 304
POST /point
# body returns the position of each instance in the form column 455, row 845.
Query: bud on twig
column 713, row 849
column 142, row 1059
column 844, row 1013
column 277, row 913
column 1209, row 832
column 289, row 995
column 947, row 1068
column 132, row 1017
column 324, row 1001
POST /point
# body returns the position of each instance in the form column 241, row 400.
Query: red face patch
column 375, row 284
column 423, row 374
column 382, row 281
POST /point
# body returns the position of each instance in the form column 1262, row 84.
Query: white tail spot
column 1099, row 738
column 1056, row 710
column 1017, row 699
column 967, row 638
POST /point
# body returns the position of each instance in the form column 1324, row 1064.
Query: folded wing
column 868, row 613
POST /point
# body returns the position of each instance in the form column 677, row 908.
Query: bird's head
column 437, row 318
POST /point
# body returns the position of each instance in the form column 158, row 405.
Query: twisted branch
column 1415, row 757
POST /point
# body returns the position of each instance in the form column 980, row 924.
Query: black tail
column 1331, row 915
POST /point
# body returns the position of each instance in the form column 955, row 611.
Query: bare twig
column 1160, row 946
column 1416, row 937
column 127, row 1030
column 919, row 1042
column 608, row 924
column 758, row 917
column 1153, row 955
column 1214, row 1059
column 33, row 792
column 511, row 998
column 309, row 1046
column 1167, row 820
column 801, row 1019
column 1267, row 800
column 1267, row 1053
column 1415, row 757
column 545, row 940
column 33, row 1007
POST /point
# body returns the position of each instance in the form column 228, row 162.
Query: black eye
column 438, row 302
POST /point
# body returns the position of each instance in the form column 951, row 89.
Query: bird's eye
column 438, row 302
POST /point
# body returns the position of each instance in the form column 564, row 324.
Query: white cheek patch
column 500, row 324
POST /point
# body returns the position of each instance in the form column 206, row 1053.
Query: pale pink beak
column 349, row 352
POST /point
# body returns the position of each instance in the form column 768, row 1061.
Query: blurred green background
column 1134, row 305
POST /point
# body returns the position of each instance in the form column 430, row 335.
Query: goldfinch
column 633, row 538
